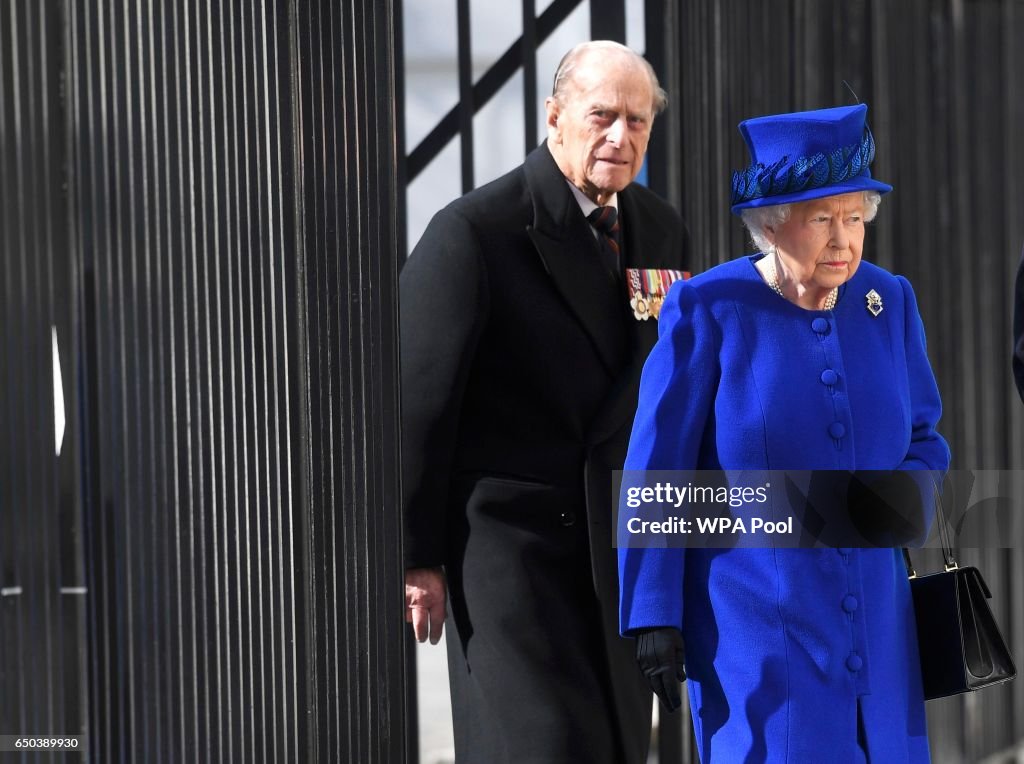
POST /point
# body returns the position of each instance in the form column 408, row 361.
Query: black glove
column 659, row 652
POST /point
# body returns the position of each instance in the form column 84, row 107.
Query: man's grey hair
column 564, row 74
column 758, row 219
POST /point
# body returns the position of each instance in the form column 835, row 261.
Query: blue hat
column 805, row 155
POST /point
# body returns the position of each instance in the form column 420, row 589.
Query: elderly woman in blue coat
column 801, row 357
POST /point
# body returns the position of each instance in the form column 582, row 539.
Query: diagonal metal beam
column 492, row 81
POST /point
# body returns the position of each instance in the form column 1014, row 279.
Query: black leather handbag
column 959, row 642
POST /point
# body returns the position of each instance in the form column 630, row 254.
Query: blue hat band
column 760, row 181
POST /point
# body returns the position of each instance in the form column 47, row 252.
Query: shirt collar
column 587, row 205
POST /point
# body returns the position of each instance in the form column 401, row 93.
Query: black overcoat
column 520, row 365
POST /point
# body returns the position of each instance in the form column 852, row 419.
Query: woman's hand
column 659, row 652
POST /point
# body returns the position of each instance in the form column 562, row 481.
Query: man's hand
column 424, row 602
column 659, row 652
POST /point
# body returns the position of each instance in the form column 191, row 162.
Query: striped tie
column 606, row 221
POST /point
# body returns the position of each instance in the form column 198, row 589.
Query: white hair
column 566, row 67
column 758, row 219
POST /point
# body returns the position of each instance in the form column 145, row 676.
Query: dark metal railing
column 199, row 201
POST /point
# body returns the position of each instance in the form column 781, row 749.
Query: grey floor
column 435, row 709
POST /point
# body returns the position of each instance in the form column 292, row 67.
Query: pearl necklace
column 773, row 282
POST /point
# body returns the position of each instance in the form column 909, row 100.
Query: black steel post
column 608, row 20
column 349, row 264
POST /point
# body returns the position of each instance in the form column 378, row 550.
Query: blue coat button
column 850, row 603
column 854, row 662
column 829, row 377
column 821, row 325
column 837, row 430
column 567, row 518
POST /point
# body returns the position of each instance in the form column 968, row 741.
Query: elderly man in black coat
column 521, row 356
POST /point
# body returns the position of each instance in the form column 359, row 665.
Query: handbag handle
column 947, row 547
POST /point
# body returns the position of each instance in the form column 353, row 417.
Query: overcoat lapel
column 568, row 250
column 648, row 244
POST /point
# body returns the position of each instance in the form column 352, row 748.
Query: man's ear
column 553, row 112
